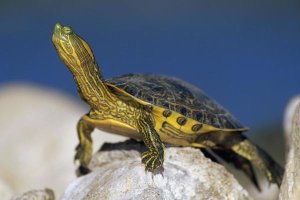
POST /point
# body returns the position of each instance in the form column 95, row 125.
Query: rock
column 187, row 174
column 45, row 194
column 288, row 119
column 38, row 137
column 5, row 190
column 290, row 188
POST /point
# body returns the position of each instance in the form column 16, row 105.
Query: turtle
column 158, row 110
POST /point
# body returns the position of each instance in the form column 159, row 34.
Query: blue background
column 244, row 54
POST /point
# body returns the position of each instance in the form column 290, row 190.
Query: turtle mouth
column 61, row 32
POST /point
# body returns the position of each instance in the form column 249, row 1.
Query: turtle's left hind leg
column 243, row 147
column 259, row 158
column 244, row 152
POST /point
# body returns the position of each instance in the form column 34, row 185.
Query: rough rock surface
column 45, row 194
column 38, row 137
column 188, row 174
column 290, row 188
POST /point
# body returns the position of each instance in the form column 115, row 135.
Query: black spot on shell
column 182, row 96
column 148, row 98
column 131, row 91
column 166, row 104
column 167, row 113
column 149, row 108
column 183, row 111
column 199, row 116
column 196, row 127
column 211, row 118
column 149, row 85
column 157, row 89
column 139, row 93
column 181, row 121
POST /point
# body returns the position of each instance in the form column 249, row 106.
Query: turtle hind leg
column 258, row 157
column 273, row 170
column 243, row 152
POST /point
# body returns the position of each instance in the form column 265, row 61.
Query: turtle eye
column 67, row 30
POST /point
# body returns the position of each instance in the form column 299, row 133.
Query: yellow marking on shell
column 173, row 120
column 182, row 135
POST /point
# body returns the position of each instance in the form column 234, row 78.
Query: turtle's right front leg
column 84, row 149
column 154, row 157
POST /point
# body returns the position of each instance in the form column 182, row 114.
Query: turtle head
column 72, row 49
column 78, row 57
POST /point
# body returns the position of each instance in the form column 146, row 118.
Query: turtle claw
column 152, row 160
column 83, row 154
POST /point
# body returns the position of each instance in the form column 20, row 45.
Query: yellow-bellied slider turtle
column 156, row 109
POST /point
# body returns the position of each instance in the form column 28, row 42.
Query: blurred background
column 244, row 54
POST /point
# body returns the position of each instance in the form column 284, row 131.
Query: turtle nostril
column 57, row 29
column 57, row 26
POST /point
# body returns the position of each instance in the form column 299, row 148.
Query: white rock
column 288, row 119
column 38, row 137
column 290, row 188
column 46, row 194
column 5, row 190
column 187, row 174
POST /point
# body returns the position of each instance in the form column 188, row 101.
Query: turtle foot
column 152, row 160
column 83, row 154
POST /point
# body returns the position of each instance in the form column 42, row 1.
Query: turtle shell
column 177, row 95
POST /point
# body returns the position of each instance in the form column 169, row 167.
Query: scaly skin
column 79, row 58
column 122, row 112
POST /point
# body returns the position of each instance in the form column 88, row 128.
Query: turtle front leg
column 84, row 149
column 154, row 157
